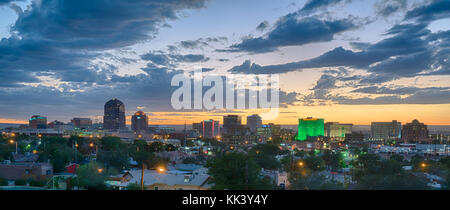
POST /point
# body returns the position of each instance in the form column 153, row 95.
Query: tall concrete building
column 415, row 132
column 337, row 130
column 231, row 124
column 139, row 122
column 114, row 118
column 81, row 123
column 207, row 128
column 254, row 122
column 386, row 130
column 38, row 122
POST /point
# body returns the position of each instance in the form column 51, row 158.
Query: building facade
column 254, row 122
column 38, row 122
column 386, row 130
column 114, row 117
column 337, row 131
column 231, row 124
column 310, row 127
column 415, row 132
column 81, row 123
column 139, row 122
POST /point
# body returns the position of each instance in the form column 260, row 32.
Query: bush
column 3, row 182
column 20, row 182
column 36, row 183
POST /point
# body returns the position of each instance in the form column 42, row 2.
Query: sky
column 349, row 61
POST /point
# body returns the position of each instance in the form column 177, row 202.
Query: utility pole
column 184, row 133
column 142, row 177
column 246, row 173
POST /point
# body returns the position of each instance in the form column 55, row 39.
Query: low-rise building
column 25, row 171
column 168, row 180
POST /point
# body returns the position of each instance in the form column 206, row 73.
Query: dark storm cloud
column 65, row 35
column 101, row 24
column 292, row 31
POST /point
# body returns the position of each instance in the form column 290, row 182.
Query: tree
column 235, row 171
column 119, row 159
column 156, row 147
column 92, row 176
column 375, row 174
column 397, row 157
column 315, row 163
column 264, row 154
column 58, row 152
column 110, row 143
column 313, row 181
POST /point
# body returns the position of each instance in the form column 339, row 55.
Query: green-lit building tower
column 309, row 127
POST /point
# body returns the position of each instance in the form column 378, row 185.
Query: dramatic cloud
column 395, row 91
column 290, row 31
column 293, row 30
column 161, row 58
column 262, row 26
column 420, row 97
column 313, row 5
column 408, row 52
column 437, row 9
column 201, row 42
column 5, row 2
column 54, row 35
column 388, row 7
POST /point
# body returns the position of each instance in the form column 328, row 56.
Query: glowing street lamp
column 12, row 142
column 161, row 169
column 91, row 145
column 100, row 170
column 423, row 165
column 301, row 164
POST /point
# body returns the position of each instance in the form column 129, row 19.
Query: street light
column 301, row 164
column 12, row 142
column 100, row 170
column 161, row 169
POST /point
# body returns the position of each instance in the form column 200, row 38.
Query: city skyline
column 344, row 61
column 244, row 118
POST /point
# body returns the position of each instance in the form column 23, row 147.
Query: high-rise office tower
column 254, row 122
column 114, row 117
column 139, row 122
column 231, row 124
